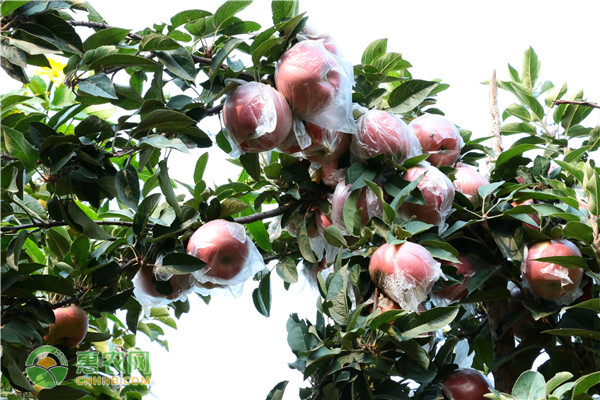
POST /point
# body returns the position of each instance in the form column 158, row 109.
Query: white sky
column 227, row 350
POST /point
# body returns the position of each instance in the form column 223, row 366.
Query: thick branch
column 263, row 215
column 576, row 102
column 52, row 224
column 497, row 141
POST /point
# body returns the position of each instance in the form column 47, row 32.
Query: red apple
column 523, row 326
column 223, row 246
column 380, row 132
column 178, row 283
column 466, row 384
column 467, row 181
column 367, row 201
column 257, row 117
column 322, row 221
column 547, row 280
column 331, row 175
column 308, row 76
column 458, row 291
column 405, row 272
column 438, row 137
column 69, row 328
column 310, row 33
column 533, row 216
column 437, row 191
column 326, row 145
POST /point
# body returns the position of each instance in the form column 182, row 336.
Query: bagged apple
column 153, row 287
column 317, row 84
column 437, row 191
column 257, row 118
column 404, row 272
column 326, row 145
column 438, row 137
column 367, row 202
column 381, row 132
column 231, row 257
column 467, row 180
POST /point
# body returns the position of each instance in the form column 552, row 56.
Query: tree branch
column 52, row 224
column 576, row 102
column 263, row 215
column 99, row 25
column 496, row 130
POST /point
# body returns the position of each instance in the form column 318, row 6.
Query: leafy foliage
column 87, row 200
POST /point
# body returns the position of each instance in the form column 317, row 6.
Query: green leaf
column 261, row 296
column 161, row 142
column 19, row 147
column 531, row 69
column 530, row 385
column 127, row 184
column 591, row 184
column 485, row 190
column 145, row 210
column 565, row 261
column 518, row 127
column 165, row 120
column 112, row 302
column 179, row 62
column 284, row 9
column 13, row 253
column 187, row 16
column 122, row 60
column 200, row 167
column 278, row 390
column 334, row 236
column 373, row 51
column 98, row 85
column 167, row 187
column 258, row 232
column 229, row 9
column 105, row 37
column 49, row 283
column 584, row 333
column 155, row 41
column 518, row 111
column 592, row 304
column 428, row 321
column 221, row 55
column 304, row 243
column 287, row 270
column 181, row 263
column 409, row 95
column 251, row 164
column 8, row 7
column 557, row 380
column 583, row 384
column 82, row 223
column 580, row 231
column 337, row 294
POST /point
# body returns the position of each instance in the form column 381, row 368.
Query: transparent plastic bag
column 405, row 272
column 437, row 191
column 548, row 280
column 257, row 118
column 438, row 137
column 311, row 33
column 367, row 201
column 177, row 287
column 317, row 85
column 231, row 257
column 442, row 295
column 381, row 132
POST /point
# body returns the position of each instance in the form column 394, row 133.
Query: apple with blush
column 223, row 246
column 404, row 272
column 548, row 280
column 466, row 384
column 438, row 137
column 176, row 285
column 326, row 146
column 381, row 132
column 457, row 291
column 69, row 328
column 467, row 180
column 367, row 202
column 257, row 117
column 437, row 191
column 308, row 76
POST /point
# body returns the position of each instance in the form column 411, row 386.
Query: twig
column 279, row 256
column 214, row 110
column 99, row 25
column 497, row 141
column 52, row 224
column 577, row 102
column 263, row 215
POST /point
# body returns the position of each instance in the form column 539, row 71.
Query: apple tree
column 438, row 257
